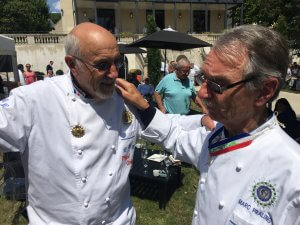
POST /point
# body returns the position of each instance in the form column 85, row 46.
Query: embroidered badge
column 78, row 131
column 264, row 193
column 127, row 116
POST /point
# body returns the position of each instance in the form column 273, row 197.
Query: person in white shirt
column 249, row 167
column 21, row 74
column 193, row 71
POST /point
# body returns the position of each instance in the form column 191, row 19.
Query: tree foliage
column 282, row 15
column 153, row 55
column 55, row 17
column 24, row 16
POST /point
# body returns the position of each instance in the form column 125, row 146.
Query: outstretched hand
column 130, row 94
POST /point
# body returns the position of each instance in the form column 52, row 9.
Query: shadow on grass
column 156, row 191
column 19, row 213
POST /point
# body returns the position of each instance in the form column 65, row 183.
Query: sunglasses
column 217, row 88
column 104, row 65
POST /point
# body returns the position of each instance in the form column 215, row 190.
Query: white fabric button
column 79, row 152
column 238, row 167
column 221, row 204
column 107, row 199
column 83, row 180
column 202, row 181
column 86, row 204
column 103, row 222
column 113, row 148
column 195, row 213
column 110, row 174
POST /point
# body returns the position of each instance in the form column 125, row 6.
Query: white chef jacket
column 255, row 185
column 71, row 180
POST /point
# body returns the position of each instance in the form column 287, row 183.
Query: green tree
column 153, row 55
column 282, row 15
column 24, row 16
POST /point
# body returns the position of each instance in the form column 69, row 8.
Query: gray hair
column 266, row 50
column 181, row 62
column 72, row 47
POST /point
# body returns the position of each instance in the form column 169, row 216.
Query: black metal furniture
column 146, row 185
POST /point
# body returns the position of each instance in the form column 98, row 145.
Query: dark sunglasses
column 105, row 65
column 217, row 88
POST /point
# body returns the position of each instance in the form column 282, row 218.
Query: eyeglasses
column 104, row 65
column 200, row 79
column 185, row 71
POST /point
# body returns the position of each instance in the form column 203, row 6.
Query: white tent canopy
column 8, row 56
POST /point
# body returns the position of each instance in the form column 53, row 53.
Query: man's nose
column 204, row 93
column 113, row 71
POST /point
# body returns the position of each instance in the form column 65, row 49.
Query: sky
column 54, row 5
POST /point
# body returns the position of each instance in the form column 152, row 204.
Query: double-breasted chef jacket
column 250, row 179
column 76, row 152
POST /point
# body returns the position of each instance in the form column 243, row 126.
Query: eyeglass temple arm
column 237, row 83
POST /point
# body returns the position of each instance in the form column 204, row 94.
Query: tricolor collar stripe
column 226, row 140
column 231, row 148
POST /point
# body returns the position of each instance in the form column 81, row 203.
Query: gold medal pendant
column 127, row 116
column 78, row 131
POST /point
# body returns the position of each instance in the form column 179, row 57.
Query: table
column 146, row 185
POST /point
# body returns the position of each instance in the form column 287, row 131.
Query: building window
column 106, row 19
column 199, row 21
column 159, row 17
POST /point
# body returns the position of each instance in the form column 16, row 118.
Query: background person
column 50, row 73
column 29, row 75
column 171, row 67
column 193, row 71
column 287, row 118
column 21, row 74
column 175, row 91
column 49, row 66
column 249, row 165
column 147, row 90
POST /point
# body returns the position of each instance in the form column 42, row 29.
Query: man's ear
column 71, row 64
column 267, row 92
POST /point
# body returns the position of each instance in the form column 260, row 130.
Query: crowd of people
column 76, row 133
column 293, row 76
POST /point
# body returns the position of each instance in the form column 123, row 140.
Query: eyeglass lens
column 103, row 66
column 212, row 85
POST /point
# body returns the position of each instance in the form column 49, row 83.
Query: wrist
column 202, row 119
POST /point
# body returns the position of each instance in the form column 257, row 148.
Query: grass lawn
column 178, row 211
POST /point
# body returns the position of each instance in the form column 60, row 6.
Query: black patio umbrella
column 169, row 39
column 124, row 49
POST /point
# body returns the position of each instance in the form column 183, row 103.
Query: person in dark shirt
column 287, row 118
column 49, row 66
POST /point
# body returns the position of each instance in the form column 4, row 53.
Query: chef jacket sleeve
column 15, row 125
column 175, row 135
column 291, row 214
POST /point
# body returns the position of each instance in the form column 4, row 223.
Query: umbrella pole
column 165, row 62
column 125, row 67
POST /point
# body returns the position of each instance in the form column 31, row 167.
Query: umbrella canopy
column 166, row 39
column 124, row 49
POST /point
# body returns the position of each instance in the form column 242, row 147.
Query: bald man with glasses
column 76, row 136
column 249, row 167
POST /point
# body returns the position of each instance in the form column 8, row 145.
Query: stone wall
column 39, row 49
